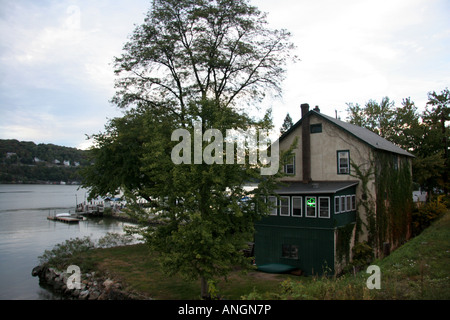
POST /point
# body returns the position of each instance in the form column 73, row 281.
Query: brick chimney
column 306, row 144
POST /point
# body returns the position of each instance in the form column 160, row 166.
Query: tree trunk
column 204, row 288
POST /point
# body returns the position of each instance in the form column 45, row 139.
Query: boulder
column 84, row 295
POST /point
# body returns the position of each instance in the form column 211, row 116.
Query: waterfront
column 25, row 233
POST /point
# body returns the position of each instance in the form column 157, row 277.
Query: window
column 324, row 207
column 353, row 202
column 343, row 204
column 273, row 205
column 296, row 206
column 337, row 205
column 289, row 251
column 343, row 162
column 349, row 203
column 289, row 167
column 310, row 207
column 284, row 206
column 315, row 128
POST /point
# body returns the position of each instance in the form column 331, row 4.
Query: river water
column 25, row 233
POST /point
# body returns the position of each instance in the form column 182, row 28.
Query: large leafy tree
column 192, row 61
column 424, row 135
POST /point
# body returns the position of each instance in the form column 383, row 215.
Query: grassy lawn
column 420, row 269
column 136, row 267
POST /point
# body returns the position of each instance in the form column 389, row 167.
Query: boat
column 64, row 217
column 65, row 214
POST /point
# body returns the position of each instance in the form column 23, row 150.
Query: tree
column 435, row 119
column 287, row 124
column 190, row 63
column 424, row 135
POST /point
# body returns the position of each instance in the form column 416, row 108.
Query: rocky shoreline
column 91, row 287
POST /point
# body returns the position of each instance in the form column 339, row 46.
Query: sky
column 56, row 73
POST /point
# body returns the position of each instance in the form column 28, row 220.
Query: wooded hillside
column 27, row 162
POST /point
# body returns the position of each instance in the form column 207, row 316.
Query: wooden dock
column 64, row 219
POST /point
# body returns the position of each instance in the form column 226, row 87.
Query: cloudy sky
column 56, row 76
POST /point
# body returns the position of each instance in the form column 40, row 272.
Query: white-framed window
column 337, row 205
column 343, row 204
column 272, row 200
column 284, row 206
column 297, row 206
column 289, row 167
column 324, row 207
column 343, row 162
column 353, row 202
column 348, row 203
column 311, row 207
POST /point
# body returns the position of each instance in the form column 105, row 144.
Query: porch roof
column 315, row 187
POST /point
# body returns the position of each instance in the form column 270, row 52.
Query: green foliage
column 191, row 61
column 343, row 241
column 424, row 135
column 427, row 213
column 362, row 255
column 287, row 124
column 73, row 251
column 27, row 162
column 62, row 253
column 394, row 200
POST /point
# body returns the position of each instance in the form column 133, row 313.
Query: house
column 343, row 184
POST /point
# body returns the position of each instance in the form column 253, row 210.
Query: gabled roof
column 363, row 134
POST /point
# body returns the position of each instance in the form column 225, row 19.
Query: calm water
column 25, row 233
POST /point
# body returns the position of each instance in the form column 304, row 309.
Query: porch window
column 289, row 251
column 353, row 202
column 296, row 206
column 324, row 207
column 284, row 206
column 343, row 204
column 343, row 162
column 349, row 203
column 273, row 205
column 337, row 205
column 311, row 207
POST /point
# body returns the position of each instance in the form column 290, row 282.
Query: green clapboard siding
column 315, row 247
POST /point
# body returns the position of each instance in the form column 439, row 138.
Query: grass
column 420, row 269
column 137, row 267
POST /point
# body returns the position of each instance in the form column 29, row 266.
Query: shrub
column 114, row 240
column 427, row 213
column 62, row 252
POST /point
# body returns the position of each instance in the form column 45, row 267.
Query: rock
column 76, row 293
column 37, row 271
column 107, row 284
column 84, row 295
column 93, row 295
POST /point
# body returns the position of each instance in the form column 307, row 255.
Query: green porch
column 301, row 230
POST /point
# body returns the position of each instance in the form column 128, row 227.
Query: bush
column 69, row 251
column 427, row 213
column 62, row 252
column 114, row 240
